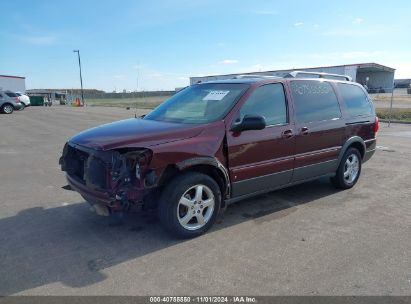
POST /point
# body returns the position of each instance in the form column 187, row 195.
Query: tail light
column 376, row 126
column 17, row 100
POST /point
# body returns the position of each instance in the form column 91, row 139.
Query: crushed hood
column 134, row 132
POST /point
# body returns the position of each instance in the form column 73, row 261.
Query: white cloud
column 40, row 40
column 155, row 75
column 358, row 21
column 355, row 32
column 138, row 66
column 229, row 61
column 298, row 23
column 403, row 69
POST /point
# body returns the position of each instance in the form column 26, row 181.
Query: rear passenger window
column 11, row 94
column 314, row 101
column 267, row 101
column 355, row 100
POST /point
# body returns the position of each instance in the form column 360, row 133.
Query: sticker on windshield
column 216, row 95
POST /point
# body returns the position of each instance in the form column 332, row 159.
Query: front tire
column 349, row 170
column 189, row 205
column 7, row 108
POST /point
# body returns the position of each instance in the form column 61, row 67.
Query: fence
column 394, row 106
column 145, row 99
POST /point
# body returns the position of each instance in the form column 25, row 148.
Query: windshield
column 200, row 103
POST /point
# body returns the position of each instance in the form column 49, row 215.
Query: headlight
column 138, row 161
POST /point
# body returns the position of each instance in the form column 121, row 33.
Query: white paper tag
column 216, row 95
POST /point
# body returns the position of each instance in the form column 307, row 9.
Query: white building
column 375, row 76
column 13, row 83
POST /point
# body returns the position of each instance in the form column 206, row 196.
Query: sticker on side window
column 216, row 95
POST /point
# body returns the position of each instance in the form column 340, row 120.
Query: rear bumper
column 370, row 146
column 368, row 154
column 18, row 106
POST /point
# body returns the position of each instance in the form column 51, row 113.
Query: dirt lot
column 306, row 240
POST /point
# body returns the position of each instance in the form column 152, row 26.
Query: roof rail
column 296, row 74
column 255, row 76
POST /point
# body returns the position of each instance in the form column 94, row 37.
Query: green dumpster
column 36, row 100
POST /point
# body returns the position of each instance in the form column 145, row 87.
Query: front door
column 261, row 160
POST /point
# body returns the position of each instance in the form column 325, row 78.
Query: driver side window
column 267, row 101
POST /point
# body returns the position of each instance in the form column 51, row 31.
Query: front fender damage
column 212, row 161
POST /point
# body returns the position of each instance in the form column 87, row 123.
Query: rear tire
column 189, row 205
column 7, row 108
column 349, row 170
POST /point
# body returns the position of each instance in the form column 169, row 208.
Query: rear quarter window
column 314, row 101
column 10, row 94
column 356, row 102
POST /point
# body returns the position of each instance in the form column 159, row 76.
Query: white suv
column 24, row 99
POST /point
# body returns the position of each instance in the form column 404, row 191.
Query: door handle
column 287, row 134
column 304, row 131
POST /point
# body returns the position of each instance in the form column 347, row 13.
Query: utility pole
column 81, row 78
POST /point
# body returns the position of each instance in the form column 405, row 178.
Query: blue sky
column 149, row 45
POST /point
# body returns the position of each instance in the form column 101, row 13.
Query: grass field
column 396, row 114
column 140, row 103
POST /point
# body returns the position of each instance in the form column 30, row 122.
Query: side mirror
column 249, row 122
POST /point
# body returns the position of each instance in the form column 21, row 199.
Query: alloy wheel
column 8, row 109
column 196, row 207
column 351, row 168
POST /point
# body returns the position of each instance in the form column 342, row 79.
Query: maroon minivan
column 216, row 143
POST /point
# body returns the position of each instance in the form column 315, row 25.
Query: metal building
column 374, row 75
column 403, row 83
column 13, row 83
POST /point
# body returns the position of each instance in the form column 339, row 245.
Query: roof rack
column 255, row 76
column 296, row 74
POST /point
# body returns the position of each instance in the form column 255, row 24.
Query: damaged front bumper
column 119, row 180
